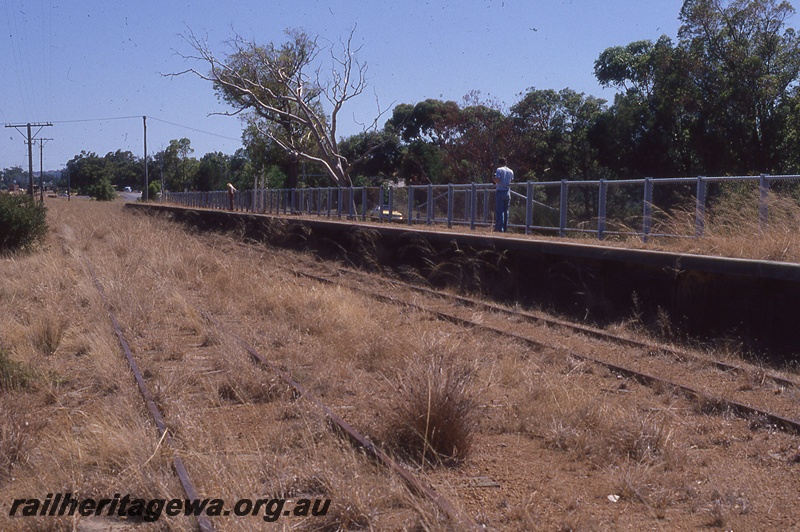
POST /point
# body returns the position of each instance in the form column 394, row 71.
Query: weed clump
column 23, row 220
column 433, row 415
column 14, row 375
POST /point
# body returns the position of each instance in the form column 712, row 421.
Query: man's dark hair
column 502, row 161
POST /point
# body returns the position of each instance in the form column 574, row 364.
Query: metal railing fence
column 674, row 207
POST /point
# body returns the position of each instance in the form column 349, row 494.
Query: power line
column 195, row 129
column 137, row 117
column 16, row 51
column 94, row 119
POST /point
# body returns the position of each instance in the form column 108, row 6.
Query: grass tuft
column 434, row 413
column 47, row 334
column 14, row 375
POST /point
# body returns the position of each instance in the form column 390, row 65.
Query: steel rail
column 352, row 434
column 203, row 522
column 679, row 354
column 736, row 407
column 584, row 329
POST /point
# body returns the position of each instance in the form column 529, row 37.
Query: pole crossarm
column 29, row 138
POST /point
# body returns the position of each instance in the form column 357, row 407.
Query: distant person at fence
column 231, row 192
column 503, row 177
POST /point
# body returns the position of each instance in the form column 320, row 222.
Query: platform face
column 708, row 298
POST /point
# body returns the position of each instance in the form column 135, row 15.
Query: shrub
column 103, row 190
column 23, row 222
column 153, row 189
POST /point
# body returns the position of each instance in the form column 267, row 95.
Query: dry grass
column 732, row 229
column 47, row 333
column 14, row 375
column 18, row 431
column 557, row 434
column 433, row 414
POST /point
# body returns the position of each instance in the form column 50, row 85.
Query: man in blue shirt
column 503, row 177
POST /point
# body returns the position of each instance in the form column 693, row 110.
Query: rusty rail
column 584, row 329
column 736, row 407
column 204, row 523
column 352, row 434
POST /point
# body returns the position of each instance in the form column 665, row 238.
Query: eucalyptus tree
column 179, row 167
column 284, row 95
column 745, row 61
column 647, row 131
column 449, row 142
column 553, row 132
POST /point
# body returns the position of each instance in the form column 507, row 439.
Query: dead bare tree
column 285, row 89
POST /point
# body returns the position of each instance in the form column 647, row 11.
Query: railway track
column 203, row 522
column 681, row 355
column 525, row 463
column 355, row 437
column 414, row 484
column 703, row 379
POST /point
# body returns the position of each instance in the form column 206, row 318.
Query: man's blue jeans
column 502, row 198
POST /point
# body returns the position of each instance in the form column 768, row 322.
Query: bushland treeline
column 722, row 99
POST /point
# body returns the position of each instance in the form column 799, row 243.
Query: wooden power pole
column 29, row 137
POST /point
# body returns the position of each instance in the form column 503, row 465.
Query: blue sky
column 86, row 65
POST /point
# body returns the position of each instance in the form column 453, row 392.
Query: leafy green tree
column 85, row 170
column 15, row 174
column 430, row 121
column 124, row 169
column 744, row 60
column 243, row 168
column 446, row 142
column 554, row 134
column 103, row 190
column 179, row 168
column 153, row 189
column 212, row 171
column 377, row 163
column 483, row 134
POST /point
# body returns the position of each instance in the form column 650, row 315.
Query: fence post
column 763, row 196
column 391, row 201
column 301, row 200
column 700, row 208
column 429, row 214
column 410, row 190
column 473, row 206
column 364, row 203
column 329, row 200
column 339, row 203
column 528, row 207
column 449, row 206
column 562, row 209
column 350, row 203
column 601, row 210
column 380, row 204
column 647, row 209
